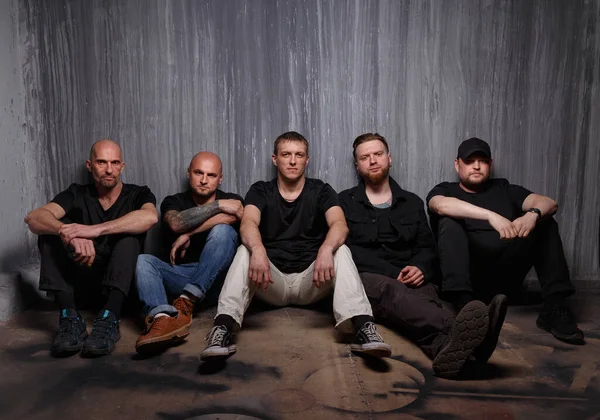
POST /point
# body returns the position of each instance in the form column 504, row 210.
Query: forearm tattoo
column 189, row 219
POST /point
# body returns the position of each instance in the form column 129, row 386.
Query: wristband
column 536, row 211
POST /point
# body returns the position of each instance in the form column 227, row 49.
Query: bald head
column 205, row 174
column 105, row 144
column 207, row 157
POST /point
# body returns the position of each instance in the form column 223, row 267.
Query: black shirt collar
column 360, row 193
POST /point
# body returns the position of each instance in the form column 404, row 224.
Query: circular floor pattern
column 338, row 386
column 287, row 401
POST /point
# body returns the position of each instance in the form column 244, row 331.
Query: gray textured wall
column 170, row 78
column 15, row 171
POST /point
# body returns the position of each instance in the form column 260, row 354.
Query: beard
column 476, row 183
column 109, row 184
column 377, row 178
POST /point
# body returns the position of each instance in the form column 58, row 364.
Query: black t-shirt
column 292, row 233
column 498, row 196
column 180, row 202
column 81, row 205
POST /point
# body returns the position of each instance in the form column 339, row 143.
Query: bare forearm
column 546, row 205
column 43, row 222
column 453, row 207
column 251, row 236
column 135, row 222
column 219, row 219
column 185, row 221
column 336, row 236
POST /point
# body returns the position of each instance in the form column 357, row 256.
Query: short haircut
column 363, row 138
column 289, row 136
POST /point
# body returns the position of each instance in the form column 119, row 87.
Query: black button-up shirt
column 410, row 241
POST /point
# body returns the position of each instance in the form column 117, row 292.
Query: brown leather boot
column 185, row 308
column 160, row 333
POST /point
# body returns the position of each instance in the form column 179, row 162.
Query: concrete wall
column 18, row 190
column 170, row 78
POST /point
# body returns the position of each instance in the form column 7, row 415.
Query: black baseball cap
column 472, row 146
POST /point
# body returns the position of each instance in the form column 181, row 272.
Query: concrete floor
column 291, row 365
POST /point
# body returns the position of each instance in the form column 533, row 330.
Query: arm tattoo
column 189, row 219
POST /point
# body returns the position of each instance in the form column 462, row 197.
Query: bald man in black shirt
column 89, row 239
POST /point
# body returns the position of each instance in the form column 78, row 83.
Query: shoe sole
column 497, row 313
column 163, row 341
column 468, row 331
column 69, row 350
column 91, row 352
column 372, row 349
column 571, row 339
column 213, row 353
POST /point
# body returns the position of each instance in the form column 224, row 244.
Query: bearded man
column 395, row 254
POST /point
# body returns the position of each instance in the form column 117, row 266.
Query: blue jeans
column 157, row 279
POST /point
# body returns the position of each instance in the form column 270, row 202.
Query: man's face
column 205, row 175
column 106, row 165
column 373, row 162
column 473, row 171
column 291, row 160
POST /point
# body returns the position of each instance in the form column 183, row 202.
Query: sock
column 158, row 315
column 553, row 300
column 65, row 300
column 359, row 321
column 115, row 301
column 226, row 321
column 188, row 296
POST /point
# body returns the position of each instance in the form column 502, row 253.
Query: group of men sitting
column 371, row 246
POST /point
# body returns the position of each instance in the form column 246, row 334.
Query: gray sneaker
column 220, row 343
column 368, row 341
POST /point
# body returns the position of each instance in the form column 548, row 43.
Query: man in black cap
column 490, row 233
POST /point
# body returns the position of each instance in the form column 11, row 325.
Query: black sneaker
column 559, row 322
column 104, row 336
column 368, row 341
column 70, row 335
column 497, row 313
column 467, row 333
column 220, row 343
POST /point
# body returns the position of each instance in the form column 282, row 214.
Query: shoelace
column 102, row 327
column 371, row 332
column 563, row 315
column 67, row 325
column 216, row 336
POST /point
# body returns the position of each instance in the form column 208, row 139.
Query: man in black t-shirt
column 395, row 254
column 90, row 238
column 293, row 232
column 200, row 232
column 490, row 233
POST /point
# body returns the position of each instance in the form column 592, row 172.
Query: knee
column 223, row 233
column 144, row 263
column 131, row 243
column 344, row 252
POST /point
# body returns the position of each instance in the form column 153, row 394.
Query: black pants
column 483, row 264
column 114, row 266
column 416, row 313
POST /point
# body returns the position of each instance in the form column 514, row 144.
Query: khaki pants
column 349, row 298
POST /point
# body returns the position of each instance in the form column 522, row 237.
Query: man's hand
column 411, row 276
column 181, row 244
column 68, row 232
column 324, row 269
column 233, row 207
column 85, row 252
column 259, row 271
column 525, row 224
column 503, row 226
